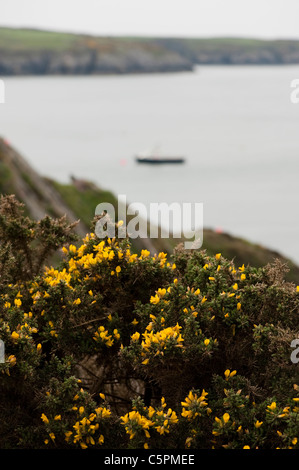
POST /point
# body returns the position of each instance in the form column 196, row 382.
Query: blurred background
column 91, row 85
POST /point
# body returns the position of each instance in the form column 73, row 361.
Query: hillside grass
column 84, row 202
column 26, row 39
column 34, row 39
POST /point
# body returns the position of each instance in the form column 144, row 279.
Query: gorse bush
column 113, row 349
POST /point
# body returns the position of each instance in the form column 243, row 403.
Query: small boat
column 160, row 160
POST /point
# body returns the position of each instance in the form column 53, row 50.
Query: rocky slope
column 39, row 196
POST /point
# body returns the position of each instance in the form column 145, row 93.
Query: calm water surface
column 235, row 125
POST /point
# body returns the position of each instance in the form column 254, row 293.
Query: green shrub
column 113, row 349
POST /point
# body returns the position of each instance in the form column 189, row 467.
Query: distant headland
column 39, row 52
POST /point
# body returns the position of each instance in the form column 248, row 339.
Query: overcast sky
column 251, row 18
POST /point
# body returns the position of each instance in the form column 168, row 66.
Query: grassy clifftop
column 30, row 39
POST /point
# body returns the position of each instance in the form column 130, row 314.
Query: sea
column 236, row 126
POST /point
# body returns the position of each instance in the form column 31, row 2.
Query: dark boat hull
column 159, row 161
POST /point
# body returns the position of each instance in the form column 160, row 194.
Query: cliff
column 31, row 52
column 234, row 51
column 34, row 52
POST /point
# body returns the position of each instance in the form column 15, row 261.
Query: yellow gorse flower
column 160, row 293
column 222, row 421
column 271, row 407
column 12, row 360
column 44, row 418
column 54, row 277
column 102, row 335
column 118, row 269
column 155, row 299
column 157, row 343
column 15, row 336
column 229, row 373
column 159, row 420
column 194, row 404
column 86, row 427
column 134, row 422
column 135, row 336
column 144, row 254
